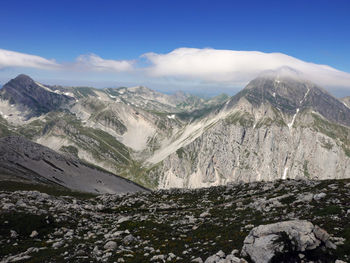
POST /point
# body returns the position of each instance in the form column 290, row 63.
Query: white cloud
column 90, row 62
column 188, row 66
column 236, row 67
column 93, row 62
column 17, row 59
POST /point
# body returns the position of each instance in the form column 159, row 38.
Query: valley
column 279, row 126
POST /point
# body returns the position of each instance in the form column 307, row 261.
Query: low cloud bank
column 209, row 66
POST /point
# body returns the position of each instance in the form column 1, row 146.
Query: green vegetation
column 70, row 149
column 199, row 113
column 346, row 151
column 306, row 171
column 180, row 152
column 109, row 118
column 93, row 105
column 327, row 210
column 137, row 173
column 54, row 190
column 170, row 221
column 243, row 119
column 339, row 133
column 327, row 144
column 83, row 92
column 99, row 143
column 332, row 130
column 153, row 144
column 4, row 128
column 32, row 129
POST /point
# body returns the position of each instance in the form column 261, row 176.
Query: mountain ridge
column 145, row 136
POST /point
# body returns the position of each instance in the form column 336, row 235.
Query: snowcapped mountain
column 278, row 126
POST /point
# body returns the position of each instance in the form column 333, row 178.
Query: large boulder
column 283, row 240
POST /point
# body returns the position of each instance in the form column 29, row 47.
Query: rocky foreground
column 282, row 221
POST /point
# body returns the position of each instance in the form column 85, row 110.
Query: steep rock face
column 30, row 95
column 230, row 153
column 266, row 138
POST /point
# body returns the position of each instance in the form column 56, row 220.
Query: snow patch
column 44, row 87
column 346, row 105
column 284, row 177
column 307, row 92
column 290, row 125
column 69, row 94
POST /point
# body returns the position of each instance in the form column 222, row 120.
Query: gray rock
column 213, row 259
column 123, row 219
column 197, row 260
column 13, row 233
column 221, row 254
column 157, row 257
column 34, row 233
column 110, row 245
column 319, row 196
column 305, row 198
column 128, row 239
column 204, row 214
column 20, row 258
column 58, row 244
column 265, row 241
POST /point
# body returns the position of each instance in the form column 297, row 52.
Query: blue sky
column 308, row 30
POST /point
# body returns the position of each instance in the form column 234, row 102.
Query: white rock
column 262, row 242
column 34, row 233
column 197, row 260
column 110, row 245
column 319, row 196
column 13, row 233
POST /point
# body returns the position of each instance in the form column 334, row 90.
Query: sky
column 197, row 46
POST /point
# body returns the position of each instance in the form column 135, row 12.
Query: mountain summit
column 288, row 92
column 32, row 96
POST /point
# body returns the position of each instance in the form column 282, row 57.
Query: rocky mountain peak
column 24, row 79
column 25, row 93
column 288, row 92
column 284, row 84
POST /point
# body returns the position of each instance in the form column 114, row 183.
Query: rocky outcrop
column 286, row 240
column 259, row 146
column 221, row 257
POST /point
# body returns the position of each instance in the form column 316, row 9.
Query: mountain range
column 279, row 126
